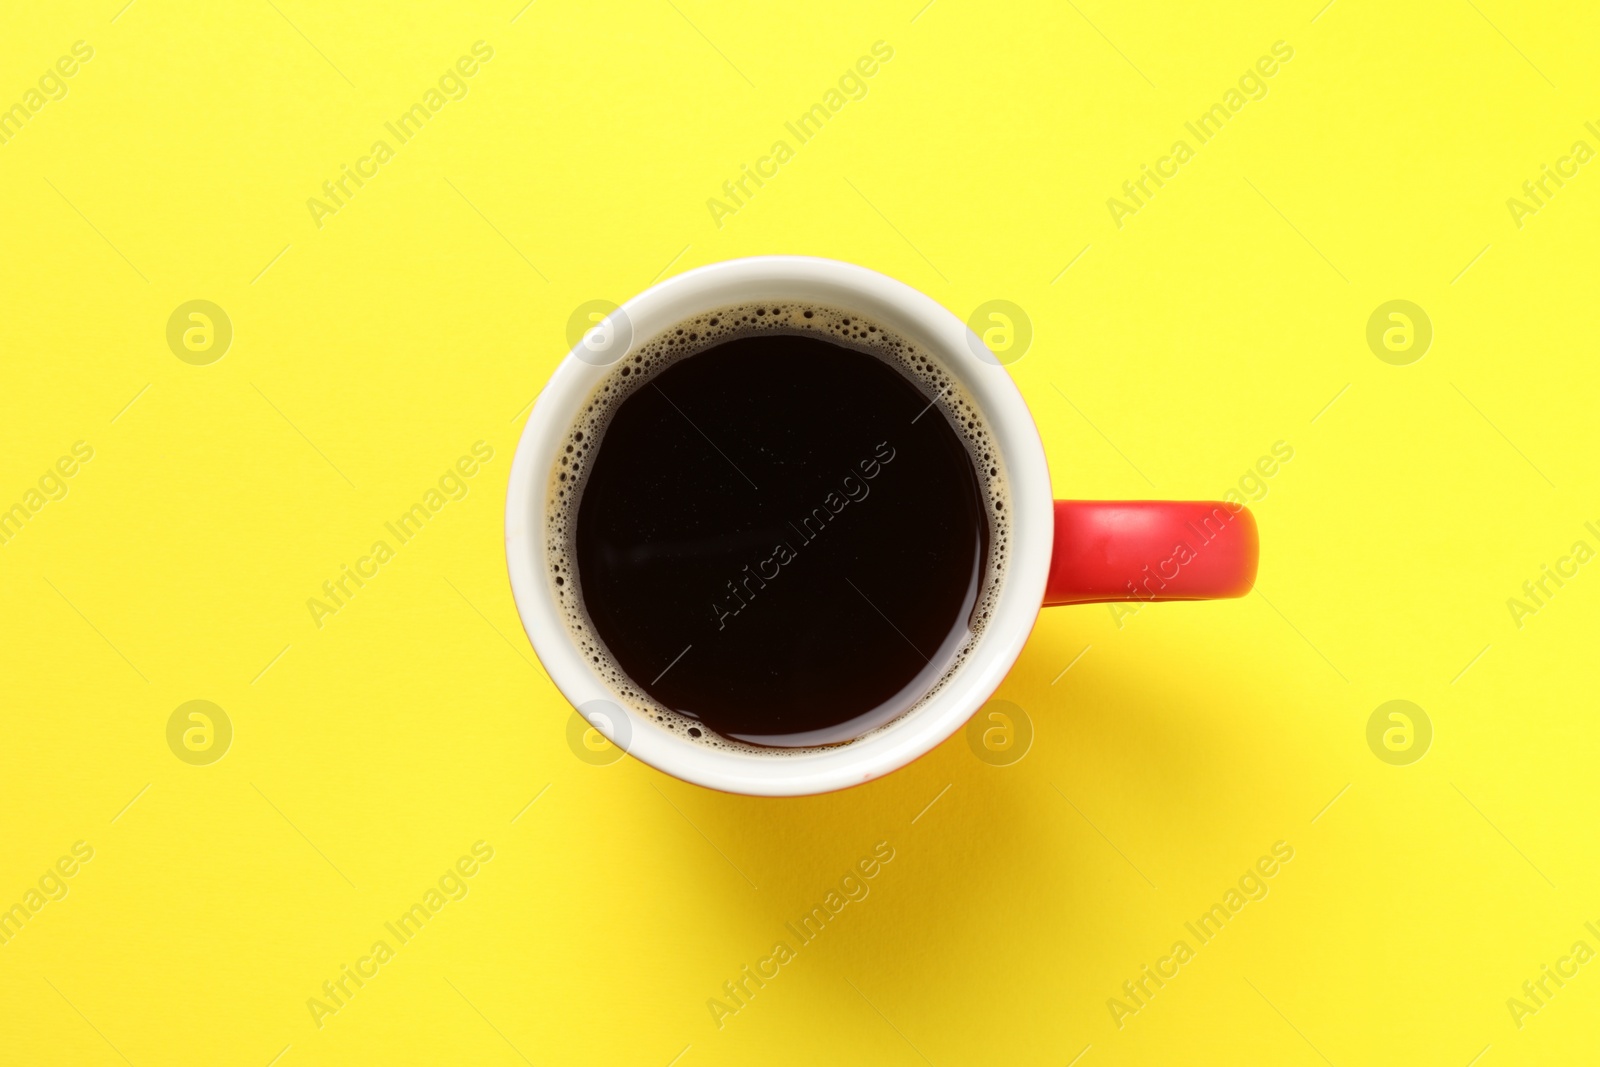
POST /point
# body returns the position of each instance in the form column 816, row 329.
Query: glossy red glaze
column 1150, row 550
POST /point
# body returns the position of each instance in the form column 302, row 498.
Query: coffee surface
column 782, row 539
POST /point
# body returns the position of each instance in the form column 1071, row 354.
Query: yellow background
column 370, row 353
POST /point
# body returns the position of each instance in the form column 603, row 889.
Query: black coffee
column 781, row 538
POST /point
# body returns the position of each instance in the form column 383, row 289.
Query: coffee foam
column 642, row 364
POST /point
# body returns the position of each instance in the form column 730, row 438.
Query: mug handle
column 1111, row 550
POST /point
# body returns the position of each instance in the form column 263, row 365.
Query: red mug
column 1061, row 551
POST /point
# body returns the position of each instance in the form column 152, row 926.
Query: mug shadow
column 1070, row 844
